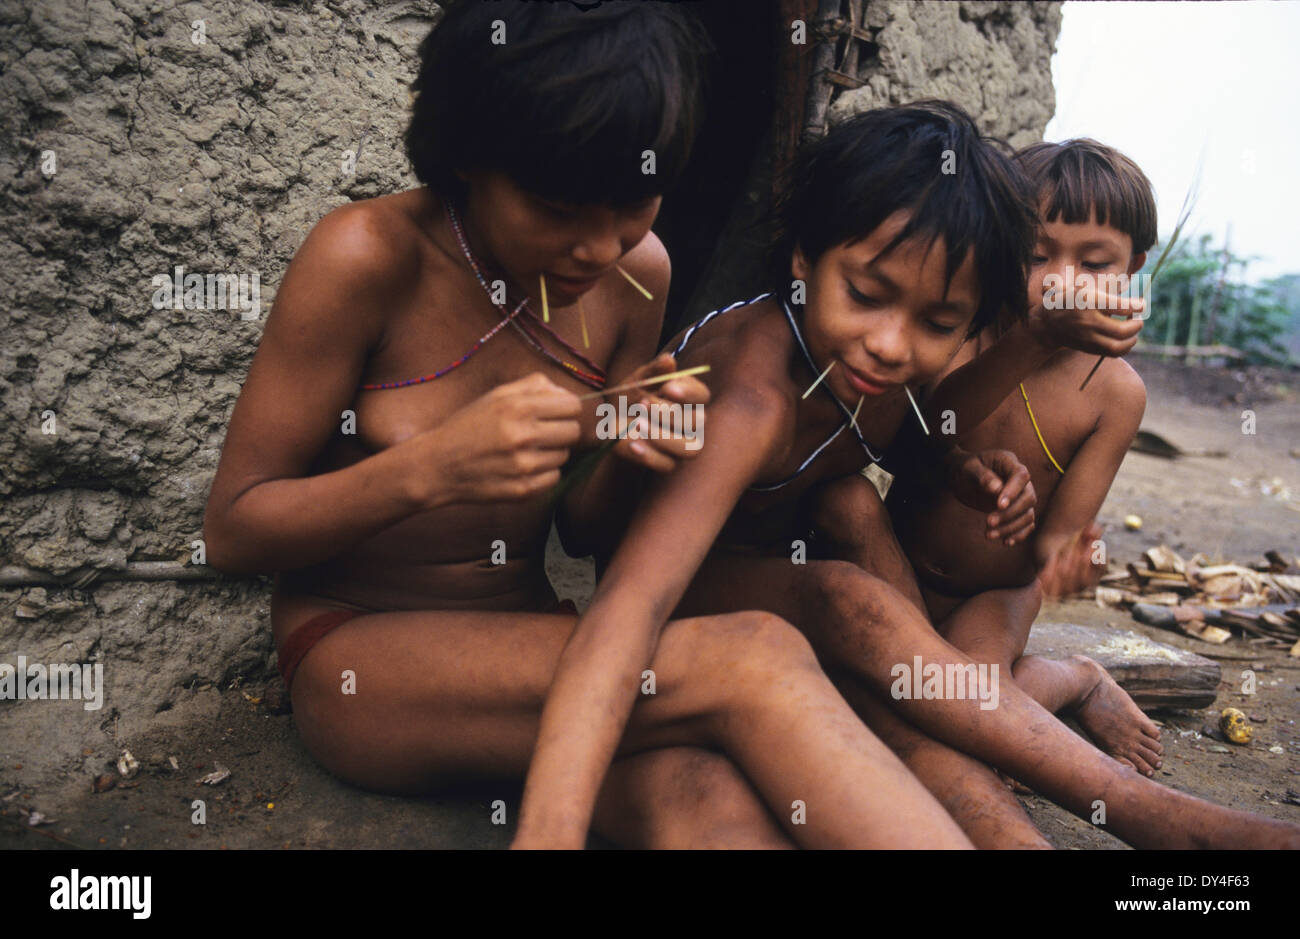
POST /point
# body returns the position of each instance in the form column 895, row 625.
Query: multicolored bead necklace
column 596, row 378
column 384, row 386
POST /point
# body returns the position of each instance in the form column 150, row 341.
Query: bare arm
column 265, row 513
column 592, row 514
column 596, row 682
column 262, row 515
column 1082, row 491
column 975, row 390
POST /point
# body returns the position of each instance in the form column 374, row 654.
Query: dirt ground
column 1235, row 507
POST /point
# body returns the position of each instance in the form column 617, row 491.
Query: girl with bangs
column 418, row 388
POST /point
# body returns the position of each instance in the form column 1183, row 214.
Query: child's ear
column 1136, row 263
column 799, row 266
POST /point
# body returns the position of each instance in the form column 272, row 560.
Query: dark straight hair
column 1079, row 177
column 929, row 159
column 562, row 100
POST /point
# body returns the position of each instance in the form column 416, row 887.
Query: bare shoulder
column 364, row 242
column 748, row 351
column 1121, row 387
column 649, row 263
column 357, row 262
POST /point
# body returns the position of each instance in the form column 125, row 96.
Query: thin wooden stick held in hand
column 653, row 380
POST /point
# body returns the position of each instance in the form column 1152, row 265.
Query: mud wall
column 142, row 135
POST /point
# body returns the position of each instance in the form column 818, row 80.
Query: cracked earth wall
column 128, row 147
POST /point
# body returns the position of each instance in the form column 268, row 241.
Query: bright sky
column 1162, row 81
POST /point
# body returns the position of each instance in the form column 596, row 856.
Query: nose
column 886, row 339
column 601, row 244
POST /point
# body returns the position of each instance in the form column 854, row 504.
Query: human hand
column 508, row 445
column 1091, row 320
column 1070, row 569
column 674, row 408
column 995, row 481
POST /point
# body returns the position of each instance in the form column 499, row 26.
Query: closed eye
column 558, row 209
column 859, row 297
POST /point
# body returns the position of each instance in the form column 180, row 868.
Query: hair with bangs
column 565, row 106
column 842, row 186
column 1076, row 178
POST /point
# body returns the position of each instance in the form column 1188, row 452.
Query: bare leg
column 683, row 798
column 985, row 809
column 859, row 623
column 1080, row 687
column 852, row 525
column 445, row 695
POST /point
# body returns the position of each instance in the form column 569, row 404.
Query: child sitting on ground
column 1098, row 219
column 895, row 263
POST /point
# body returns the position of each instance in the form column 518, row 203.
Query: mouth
column 867, row 384
column 572, row 286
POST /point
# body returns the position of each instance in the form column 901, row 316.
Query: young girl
column 416, row 392
column 906, row 232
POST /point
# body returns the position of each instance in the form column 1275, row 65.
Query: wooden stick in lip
column 654, row 380
column 632, row 280
column 854, row 418
column 582, row 318
column 917, row 410
column 805, row 395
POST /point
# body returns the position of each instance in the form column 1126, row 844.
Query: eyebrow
column 1087, row 245
column 942, row 306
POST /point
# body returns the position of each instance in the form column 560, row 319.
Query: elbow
column 221, row 551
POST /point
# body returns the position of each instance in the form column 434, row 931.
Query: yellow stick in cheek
column 582, row 318
column 917, row 410
column 546, row 307
column 632, row 280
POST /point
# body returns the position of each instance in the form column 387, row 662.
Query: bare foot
column 1115, row 724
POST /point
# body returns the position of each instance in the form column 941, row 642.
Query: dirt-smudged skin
column 944, row 538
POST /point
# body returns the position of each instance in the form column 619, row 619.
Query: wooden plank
column 844, row 81
column 1154, row 674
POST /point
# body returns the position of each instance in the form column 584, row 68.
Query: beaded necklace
column 384, row 386
column 596, row 378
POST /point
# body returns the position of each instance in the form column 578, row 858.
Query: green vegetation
column 1202, row 299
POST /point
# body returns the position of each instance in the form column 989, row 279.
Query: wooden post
column 828, row 24
column 794, row 63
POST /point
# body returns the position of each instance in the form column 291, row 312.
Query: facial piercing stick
column 817, row 382
column 582, row 318
column 917, row 410
column 546, row 307
column 632, row 280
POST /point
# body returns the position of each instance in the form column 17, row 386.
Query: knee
column 768, row 641
column 843, row 591
column 848, row 509
column 739, row 655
